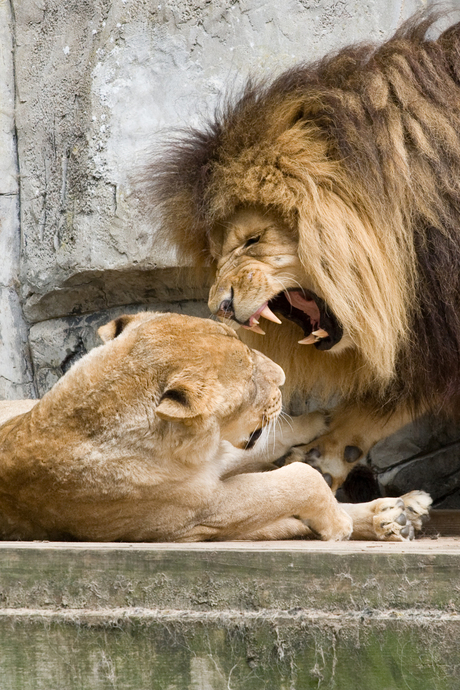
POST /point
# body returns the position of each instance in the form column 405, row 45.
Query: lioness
column 145, row 439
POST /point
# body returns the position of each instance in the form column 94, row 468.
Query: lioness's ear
column 176, row 406
column 113, row 329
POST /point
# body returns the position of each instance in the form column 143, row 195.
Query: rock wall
column 86, row 88
column 15, row 370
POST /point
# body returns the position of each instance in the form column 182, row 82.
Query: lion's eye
column 252, row 240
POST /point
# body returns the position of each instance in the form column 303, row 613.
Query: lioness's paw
column 398, row 519
column 336, row 528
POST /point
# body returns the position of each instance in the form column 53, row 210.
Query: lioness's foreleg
column 351, row 434
column 278, row 440
column 272, row 505
column 389, row 519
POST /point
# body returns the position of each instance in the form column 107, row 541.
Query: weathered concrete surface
column 228, row 651
column 297, row 615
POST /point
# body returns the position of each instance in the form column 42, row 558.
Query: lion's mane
column 361, row 152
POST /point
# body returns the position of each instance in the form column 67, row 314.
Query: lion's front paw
column 329, row 456
column 398, row 519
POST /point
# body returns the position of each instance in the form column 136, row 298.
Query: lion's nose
column 226, row 308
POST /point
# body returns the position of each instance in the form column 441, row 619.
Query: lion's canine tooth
column 309, row 340
column 254, row 328
column 269, row 315
column 320, row 333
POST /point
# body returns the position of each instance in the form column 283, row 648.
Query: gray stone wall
column 15, row 370
column 86, row 88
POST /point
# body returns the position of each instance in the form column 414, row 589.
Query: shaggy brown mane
column 375, row 132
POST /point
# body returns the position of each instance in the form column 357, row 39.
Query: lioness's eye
column 252, row 240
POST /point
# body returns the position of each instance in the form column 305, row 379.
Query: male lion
column 143, row 440
column 329, row 202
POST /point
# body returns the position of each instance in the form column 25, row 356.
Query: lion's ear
column 112, row 330
column 176, row 405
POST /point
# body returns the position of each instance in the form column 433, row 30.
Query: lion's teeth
column 309, row 340
column 269, row 315
column 255, row 329
column 320, row 333
column 230, row 322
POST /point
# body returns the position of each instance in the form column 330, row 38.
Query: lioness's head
column 186, row 374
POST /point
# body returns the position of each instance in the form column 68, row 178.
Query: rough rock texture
column 94, row 82
column 15, row 372
column 423, row 455
column 57, row 344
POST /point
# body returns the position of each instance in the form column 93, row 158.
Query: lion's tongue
column 298, row 301
column 308, row 306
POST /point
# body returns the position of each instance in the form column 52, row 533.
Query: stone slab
column 422, row 455
column 351, row 576
column 235, row 615
column 229, row 652
column 424, row 436
column 437, row 472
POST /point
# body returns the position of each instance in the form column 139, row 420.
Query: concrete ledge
column 235, row 615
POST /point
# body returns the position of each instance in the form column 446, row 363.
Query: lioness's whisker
column 286, row 417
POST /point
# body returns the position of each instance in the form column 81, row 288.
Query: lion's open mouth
column 320, row 326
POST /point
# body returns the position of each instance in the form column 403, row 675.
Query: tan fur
column 133, row 441
column 143, row 440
